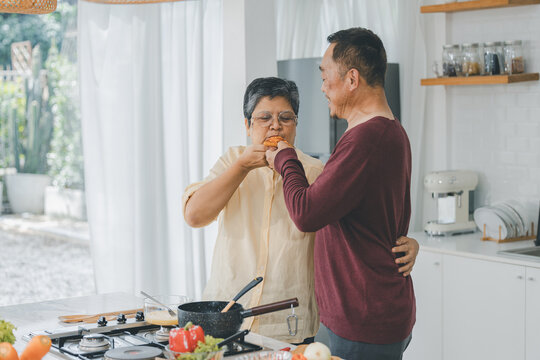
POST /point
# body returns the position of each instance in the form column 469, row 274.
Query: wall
column 494, row 129
column 249, row 52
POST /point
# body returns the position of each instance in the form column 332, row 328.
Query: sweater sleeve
column 338, row 190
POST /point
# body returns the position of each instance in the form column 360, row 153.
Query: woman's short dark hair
column 271, row 87
column 360, row 49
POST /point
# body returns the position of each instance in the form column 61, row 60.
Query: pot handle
column 263, row 309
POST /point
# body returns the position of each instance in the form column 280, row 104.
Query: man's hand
column 253, row 157
column 272, row 152
column 410, row 247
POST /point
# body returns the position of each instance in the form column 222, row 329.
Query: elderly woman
column 256, row 236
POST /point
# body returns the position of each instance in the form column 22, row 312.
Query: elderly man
column 358, row 206
column 256, row 236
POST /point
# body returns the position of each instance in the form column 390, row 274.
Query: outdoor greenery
column 65, row 158
column 40, row 30
column 40, row 129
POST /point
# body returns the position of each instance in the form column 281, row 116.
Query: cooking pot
column 208, row 315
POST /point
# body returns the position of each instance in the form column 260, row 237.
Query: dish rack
column 510, row 239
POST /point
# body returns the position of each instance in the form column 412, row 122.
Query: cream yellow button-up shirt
column 256, row 237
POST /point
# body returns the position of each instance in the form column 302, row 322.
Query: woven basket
column 27, row 6
column 130, row 2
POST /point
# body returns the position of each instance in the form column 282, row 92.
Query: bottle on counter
column 513, row 57
column 493, row 58
column 471, row 59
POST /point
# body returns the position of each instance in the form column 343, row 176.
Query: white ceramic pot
column 26, row 192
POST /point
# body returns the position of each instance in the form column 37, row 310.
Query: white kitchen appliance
column 453, row 192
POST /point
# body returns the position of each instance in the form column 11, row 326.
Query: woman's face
column 265, row 123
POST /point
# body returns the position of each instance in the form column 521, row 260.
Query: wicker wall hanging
column 130, row 2
column 27, row 6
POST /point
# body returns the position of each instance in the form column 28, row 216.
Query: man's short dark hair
column 271, row 87
column 360, row 49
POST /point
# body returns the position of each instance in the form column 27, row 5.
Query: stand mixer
column 454, row 193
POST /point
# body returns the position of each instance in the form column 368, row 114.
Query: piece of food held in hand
column 273, row 141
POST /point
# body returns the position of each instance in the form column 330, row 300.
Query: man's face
column 265, row 120
column 333, row 85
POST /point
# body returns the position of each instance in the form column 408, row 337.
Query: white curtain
column 150, row 78
column 302, row 29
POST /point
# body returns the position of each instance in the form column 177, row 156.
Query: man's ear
column 353, row 79
column 246, row 123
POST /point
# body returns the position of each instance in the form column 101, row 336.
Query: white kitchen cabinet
column 483, row 310
column 532, row 328
column 427, row 333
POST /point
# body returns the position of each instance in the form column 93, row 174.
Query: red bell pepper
column 185, row 339
column 196, row 333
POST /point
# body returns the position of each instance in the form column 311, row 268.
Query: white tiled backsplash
column 495, row 129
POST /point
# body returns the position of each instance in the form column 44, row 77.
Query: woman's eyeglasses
column 265, row 119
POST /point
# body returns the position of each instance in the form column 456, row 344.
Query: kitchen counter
column 44, row 315
column 472, row 246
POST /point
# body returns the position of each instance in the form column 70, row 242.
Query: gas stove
column 121, row 339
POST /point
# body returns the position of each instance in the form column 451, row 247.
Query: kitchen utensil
column 171, row 312
column 93, row 318
column 222, row 325
column 246, row 288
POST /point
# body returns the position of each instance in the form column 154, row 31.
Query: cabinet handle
column 436, row 263
column 531, row 278
column 520, row 277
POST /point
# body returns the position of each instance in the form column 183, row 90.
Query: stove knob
column 139, row 316
column 102, row 321
column 121, row 318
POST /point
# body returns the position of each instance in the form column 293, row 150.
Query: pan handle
column 263, row 309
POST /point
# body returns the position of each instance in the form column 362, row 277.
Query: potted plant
column 31, row 134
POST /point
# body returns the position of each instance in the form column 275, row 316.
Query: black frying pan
column 208, row 315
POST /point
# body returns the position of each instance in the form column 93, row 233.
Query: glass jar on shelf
column 493, row 58
column 451, row 59
column 471, row 59
column 513, row 57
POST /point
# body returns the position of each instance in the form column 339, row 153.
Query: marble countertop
column 472, row 245
column 44, row 315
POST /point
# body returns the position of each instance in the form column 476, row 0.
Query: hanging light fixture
column 27, row 6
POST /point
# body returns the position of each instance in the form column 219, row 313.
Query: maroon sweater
column 359, row 206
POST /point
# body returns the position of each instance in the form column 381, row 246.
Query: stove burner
column 133, row 353
column 162, row 334
column 94, row 342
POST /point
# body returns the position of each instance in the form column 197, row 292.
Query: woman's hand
column 253, row 157
column 410, row 247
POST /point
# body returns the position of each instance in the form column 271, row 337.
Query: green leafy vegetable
column 6, row 332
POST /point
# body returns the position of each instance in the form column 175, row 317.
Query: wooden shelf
column 480, row 80
column 475, row 5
